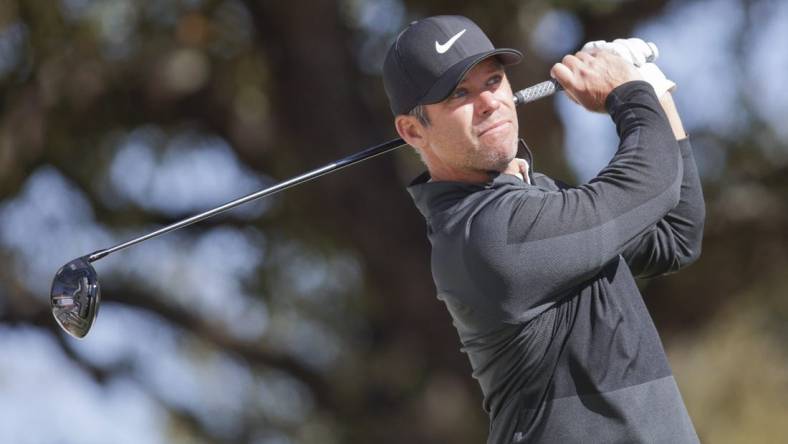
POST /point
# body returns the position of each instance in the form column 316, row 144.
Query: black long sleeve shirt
column 539, row 280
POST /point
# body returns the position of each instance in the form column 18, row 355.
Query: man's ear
column 411, row 130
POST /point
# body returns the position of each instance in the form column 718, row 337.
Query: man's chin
column 500, row 160
column 499, row 165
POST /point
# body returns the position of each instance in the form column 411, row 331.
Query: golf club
column 76, row 294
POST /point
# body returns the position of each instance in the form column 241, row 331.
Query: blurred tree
column 345, row 264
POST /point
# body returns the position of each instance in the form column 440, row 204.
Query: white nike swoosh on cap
column 445, row 47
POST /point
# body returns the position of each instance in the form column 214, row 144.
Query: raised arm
column 543, row 243
column 675, row 240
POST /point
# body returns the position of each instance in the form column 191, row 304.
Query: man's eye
column 495, row 79
column 459, row 93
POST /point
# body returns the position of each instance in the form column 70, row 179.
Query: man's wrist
column 625, row 93
column 672, row 113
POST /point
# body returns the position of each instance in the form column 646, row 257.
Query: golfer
column 539, row 276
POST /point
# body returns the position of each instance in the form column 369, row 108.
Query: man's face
column 475, row 130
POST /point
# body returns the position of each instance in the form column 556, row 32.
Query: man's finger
column 566, row 78
column 634, row 50
column 654, row 55
column 616, row 49
column 632, row 55
column 637, row 53
column 648, row 50
column 571, row 61
column 586, row 56
column 610, row 48
column 592, row 45
column 562, row 74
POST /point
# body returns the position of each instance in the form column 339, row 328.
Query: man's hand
column 637, row 52
column 588, row 77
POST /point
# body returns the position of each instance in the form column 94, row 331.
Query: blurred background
column 311, row 317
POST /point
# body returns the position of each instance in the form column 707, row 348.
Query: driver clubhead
column 75, row 297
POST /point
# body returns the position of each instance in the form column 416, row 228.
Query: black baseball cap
column 431, row 56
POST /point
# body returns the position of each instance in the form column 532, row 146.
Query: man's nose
column 487, row 103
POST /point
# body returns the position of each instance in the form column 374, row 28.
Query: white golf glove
column 635, row 51
column 653, row 75
column 642, row 55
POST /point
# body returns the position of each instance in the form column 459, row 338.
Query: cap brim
column 454, row 75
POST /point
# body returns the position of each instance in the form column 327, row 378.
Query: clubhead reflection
column 75, row 297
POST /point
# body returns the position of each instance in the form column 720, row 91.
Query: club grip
column 536, row 92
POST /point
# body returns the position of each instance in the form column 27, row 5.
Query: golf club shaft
column 342, row 163
column 526, row 95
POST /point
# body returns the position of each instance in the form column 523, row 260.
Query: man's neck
column 476, row 176
column 517, row 167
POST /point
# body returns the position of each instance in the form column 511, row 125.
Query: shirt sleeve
column 675, row 240
column 527, row 242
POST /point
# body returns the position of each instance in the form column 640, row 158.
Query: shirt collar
column 431, row 197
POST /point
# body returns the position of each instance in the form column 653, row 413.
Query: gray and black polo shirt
column 539, row 281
